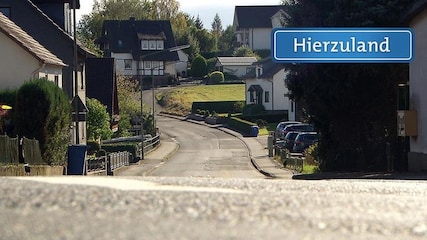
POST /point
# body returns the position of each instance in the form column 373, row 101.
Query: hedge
column 241, row 125
column 218, row 106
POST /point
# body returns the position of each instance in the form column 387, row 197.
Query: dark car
column 301, row 127
column 289, row 140
column 305, row 140
column 280, row 126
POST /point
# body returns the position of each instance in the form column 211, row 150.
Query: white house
column 23, row 58
column 417, row 18
column 237, row 66
column 265, row 85
column 253, row 25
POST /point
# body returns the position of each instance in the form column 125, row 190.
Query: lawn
column 179, row 100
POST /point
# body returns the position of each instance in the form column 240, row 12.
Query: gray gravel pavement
column 207, row 208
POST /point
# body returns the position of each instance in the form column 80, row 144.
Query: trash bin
column 254, row 131
column 76, row 160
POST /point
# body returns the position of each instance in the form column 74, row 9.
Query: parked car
column 290, row 140
column 305, row 140
column 300, row 127
column 280, row 126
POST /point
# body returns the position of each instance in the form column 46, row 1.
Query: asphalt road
column 204, row 152
column 210, row 208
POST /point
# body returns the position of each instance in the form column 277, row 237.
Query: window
column 120, row 43
column 251, row 97
column 152, row 68
column 152, row 44
column 160, row 44
column 144, row 44
column 56, row 80
column 267, row 97
column 128, row 64
column 5, row 11
column 106, row 46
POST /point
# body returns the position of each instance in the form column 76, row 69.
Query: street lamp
column 172, row 49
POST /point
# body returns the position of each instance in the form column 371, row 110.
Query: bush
column 219, row 106
column 43, row 112
column 253, row 109
column 311, row 155
column 128, row 147
column 199, row 67
column 98, row 121
column 216, row 77
column 240, row 125
column 93, row 147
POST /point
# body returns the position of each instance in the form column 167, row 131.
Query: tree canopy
column 352, row 105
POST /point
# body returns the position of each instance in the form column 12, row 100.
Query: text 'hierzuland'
column 352, row 45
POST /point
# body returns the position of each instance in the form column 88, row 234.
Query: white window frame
column 144, row 44
column 128, row 64
column 160, row 44
column 152, row 44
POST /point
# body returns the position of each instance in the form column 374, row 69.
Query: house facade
column 30, row 17
column 253, row 25
column 417, row 155
column 265, row 85
column 140, row 49
column 23, row 58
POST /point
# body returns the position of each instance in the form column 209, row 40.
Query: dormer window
column 144, row 44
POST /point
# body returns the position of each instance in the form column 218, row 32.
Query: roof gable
column 124, row 36
column 27, row 42
column 255, row 16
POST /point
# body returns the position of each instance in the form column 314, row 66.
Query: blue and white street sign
column 342, row 45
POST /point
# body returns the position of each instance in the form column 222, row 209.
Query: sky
column 205, row 9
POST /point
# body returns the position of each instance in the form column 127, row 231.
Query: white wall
column 239, row 71
column 18, row 66
column 120, row 64
column 260, row 38
column 277, row 90
column 418, row 84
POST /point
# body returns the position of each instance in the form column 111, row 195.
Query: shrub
column 98, row 120
column 311, row 155
column 216, row 77
column 43, row 112
column 199, row 67
column 253, row 109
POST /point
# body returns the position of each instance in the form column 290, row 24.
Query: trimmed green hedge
column 241, row 125
column 218, row 106
column 269, row 117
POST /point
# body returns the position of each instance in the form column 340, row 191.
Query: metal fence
column 293, row 161
column 105, row 165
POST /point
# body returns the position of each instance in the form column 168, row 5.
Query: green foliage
column 43, row 112
column 216, row 77
column 93, row 147
column 253, row 109
column 241, row 125
column 199, row 67
column 98, row 121
column 238, row 107
column 245, row 51
column 352, row 105
column 218, row 106
column 211, row 64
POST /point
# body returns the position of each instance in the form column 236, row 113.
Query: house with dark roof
column 23, row 58
column 54, row 36
column 237, row 66
column 265, row 85
column 416, row 115
column 253, row 25
column 141, row 49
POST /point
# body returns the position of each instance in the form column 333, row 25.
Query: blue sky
column 206, row 9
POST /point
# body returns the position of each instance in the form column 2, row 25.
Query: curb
column 230, row 132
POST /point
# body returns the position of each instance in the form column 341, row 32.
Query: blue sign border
column 283, row 59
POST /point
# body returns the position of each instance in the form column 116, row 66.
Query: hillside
column 180, row 99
